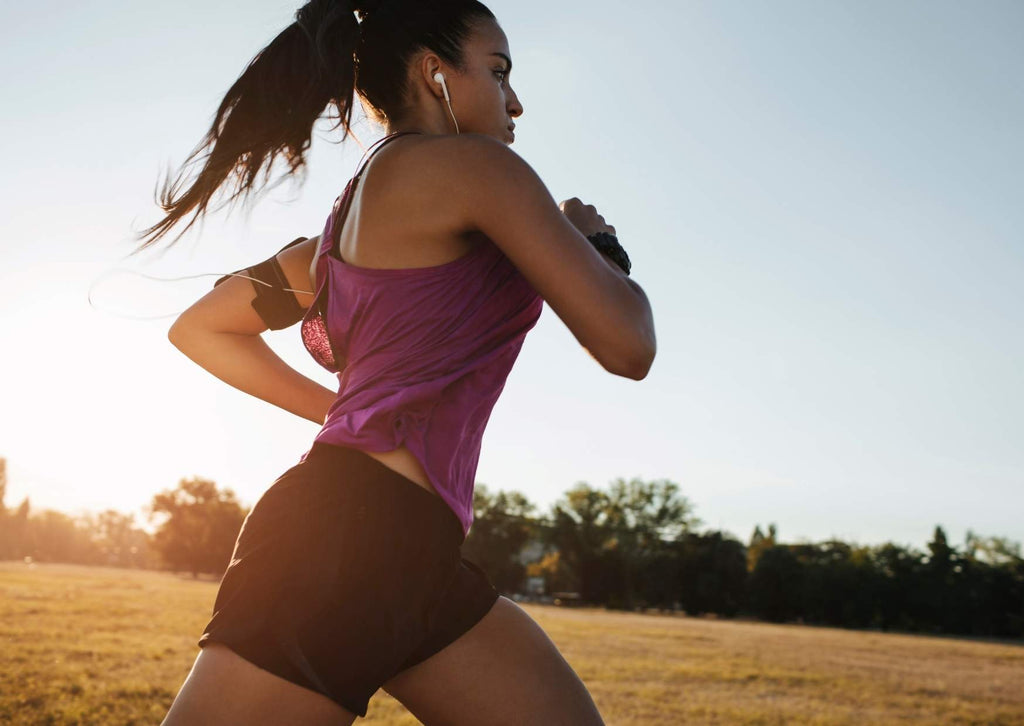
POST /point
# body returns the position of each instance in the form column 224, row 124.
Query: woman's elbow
column 179, row 334
column 642, row 365
column 642, row 347
column 635, row 364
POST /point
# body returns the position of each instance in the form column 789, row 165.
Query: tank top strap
column 326, row 241
column 341, row 205
column 328, row 237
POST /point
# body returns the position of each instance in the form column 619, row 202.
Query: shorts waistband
column 360, row 465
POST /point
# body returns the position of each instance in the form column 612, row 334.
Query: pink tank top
column 421, row 354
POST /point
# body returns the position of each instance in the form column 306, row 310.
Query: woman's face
column 482, row 98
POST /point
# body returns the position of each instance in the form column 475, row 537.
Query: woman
column 433, row 265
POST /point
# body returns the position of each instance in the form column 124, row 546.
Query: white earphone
column 439, row 77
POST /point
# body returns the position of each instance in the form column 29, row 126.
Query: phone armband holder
column 275, row 305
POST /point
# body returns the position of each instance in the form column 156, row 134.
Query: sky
column 822, row 202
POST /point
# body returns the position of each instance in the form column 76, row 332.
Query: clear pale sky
column 823, row 202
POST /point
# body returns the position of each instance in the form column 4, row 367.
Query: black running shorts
column 345, row 573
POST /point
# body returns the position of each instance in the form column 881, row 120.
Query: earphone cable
column 170, row 279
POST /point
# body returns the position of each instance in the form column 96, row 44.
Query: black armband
column 608, row 244
column 275, row 305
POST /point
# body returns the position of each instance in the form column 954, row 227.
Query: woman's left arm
column 221, row 332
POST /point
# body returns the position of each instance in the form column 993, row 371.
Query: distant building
column 534, row 586
column 533, row 551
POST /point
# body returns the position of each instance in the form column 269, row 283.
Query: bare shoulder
column 488, row 188
column 449, row 173
column 416, row 175
column 438, row 155
column 475, row 184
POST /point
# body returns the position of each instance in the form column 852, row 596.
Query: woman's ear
column 428, row 65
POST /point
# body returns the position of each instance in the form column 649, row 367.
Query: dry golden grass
column 90, row 645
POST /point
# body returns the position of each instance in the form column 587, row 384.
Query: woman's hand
column 584, row 217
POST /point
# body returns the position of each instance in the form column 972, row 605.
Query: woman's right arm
column 222, row 333
column 499, row 194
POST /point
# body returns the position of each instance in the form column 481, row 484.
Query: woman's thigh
column 224, row 689
column 504, row 671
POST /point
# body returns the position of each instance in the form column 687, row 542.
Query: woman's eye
column 503, row 74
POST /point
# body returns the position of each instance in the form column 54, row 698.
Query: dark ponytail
column 316, row 62
column 268, row 113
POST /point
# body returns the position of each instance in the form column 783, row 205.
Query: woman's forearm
column 645, row 323
column 249, row 364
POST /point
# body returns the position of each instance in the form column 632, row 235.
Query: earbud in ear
column 439, row 77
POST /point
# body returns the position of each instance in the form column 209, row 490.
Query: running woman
column 433, row 265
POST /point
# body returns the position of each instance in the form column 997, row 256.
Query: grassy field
column 89, row 645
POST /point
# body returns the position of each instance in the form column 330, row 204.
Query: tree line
column 632, row 545
column 196, row 528
column 635, row 545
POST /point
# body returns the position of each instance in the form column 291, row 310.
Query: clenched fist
column 584, row 217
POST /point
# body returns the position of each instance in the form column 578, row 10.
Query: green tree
column 939, row 576
column 119, row 541
column 645, row 517
column 52, row 536
column 652, row 512
column 501, row 526
column 712, row 574
column 585, row 541
column 14, row 538
column 775, row 584
column 838, row 584
column 898, row 592
column 991, row 550
column 759, row 542
column 199, row 525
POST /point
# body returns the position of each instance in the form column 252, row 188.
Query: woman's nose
column 515, row 109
